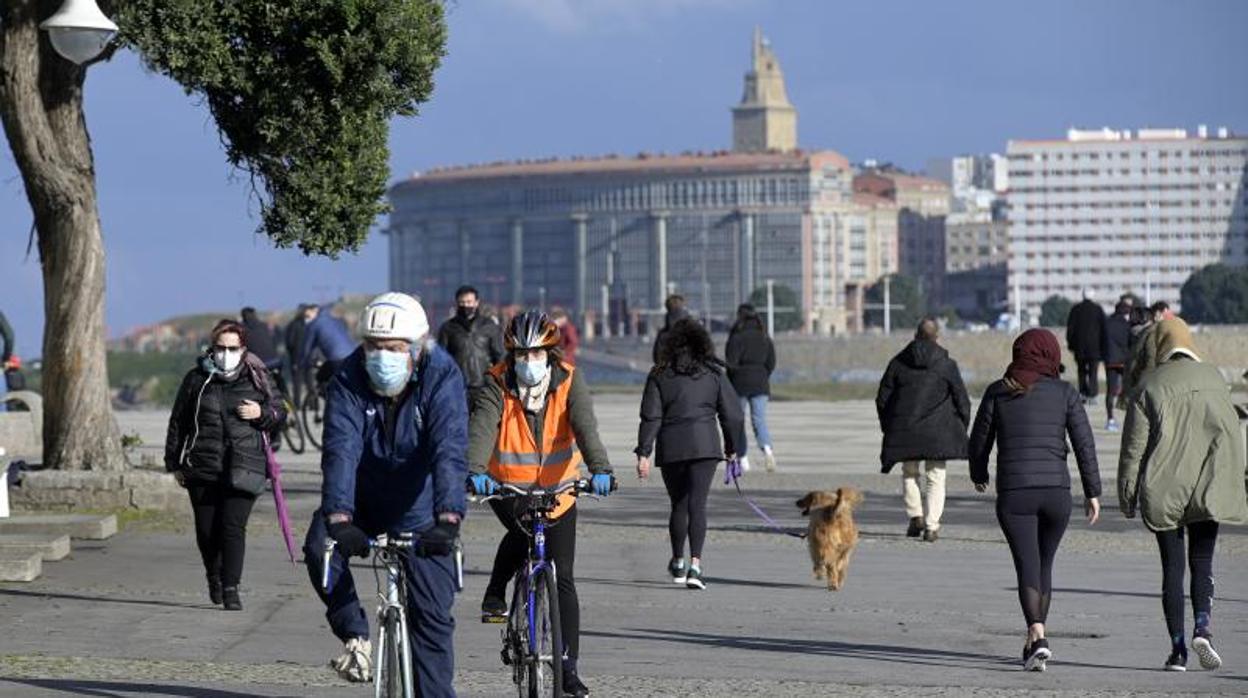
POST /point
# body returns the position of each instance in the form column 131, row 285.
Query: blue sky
column 899, row 80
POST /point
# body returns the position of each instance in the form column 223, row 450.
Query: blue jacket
column 330, row 335
column 397, row 485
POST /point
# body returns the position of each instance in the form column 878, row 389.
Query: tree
column 1054, row 311
column 903, row 291
column 1216, row 295
column 784, row 297
column 301, row 91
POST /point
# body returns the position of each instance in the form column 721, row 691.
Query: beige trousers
column 933, row 491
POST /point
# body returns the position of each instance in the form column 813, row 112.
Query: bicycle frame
column 537, row 563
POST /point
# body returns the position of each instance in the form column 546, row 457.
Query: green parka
column 1182, row 457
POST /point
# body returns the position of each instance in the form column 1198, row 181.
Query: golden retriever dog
column 832, row 533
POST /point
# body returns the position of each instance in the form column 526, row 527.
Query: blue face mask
column 530, row 373
column 389, row 371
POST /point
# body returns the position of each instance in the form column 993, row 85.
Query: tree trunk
column 41, row 108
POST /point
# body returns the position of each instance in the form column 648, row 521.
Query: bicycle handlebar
column 384, row 543
column 508, row 490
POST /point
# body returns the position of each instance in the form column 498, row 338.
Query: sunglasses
column 232, row 350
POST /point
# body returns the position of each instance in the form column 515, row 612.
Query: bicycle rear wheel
column 389, row 663
column 311, row 413
column 292, row 430
column 543, row 641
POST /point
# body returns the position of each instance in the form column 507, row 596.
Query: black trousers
column 1034, row 520
column 560, row 548
column 1089, row 385
column 688, row 484
column 1201, row 539
column 221, row 514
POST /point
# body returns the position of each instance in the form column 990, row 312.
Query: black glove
column 439, row 540
column 352, row 541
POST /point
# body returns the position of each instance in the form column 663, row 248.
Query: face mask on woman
column 389, row 371
column 530, row 373
column 227, row 358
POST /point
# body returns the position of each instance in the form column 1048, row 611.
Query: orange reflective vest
column 519, row 460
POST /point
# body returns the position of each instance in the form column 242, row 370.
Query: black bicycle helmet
column 531, row 329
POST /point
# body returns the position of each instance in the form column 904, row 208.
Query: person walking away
column 1144, row 353
column 1085, row 332
column 473, row 340
column 676, row 311
column 531, row 426
column 1029, row 414
column 750, row 356
column 292, row 340
column 396, row 430
column 688, row 404
column 328, row 335
column 6, row 355
column 924, row 412
column 1117, row 352
column 1182, row 469
column 214, row 447
column 569, row 336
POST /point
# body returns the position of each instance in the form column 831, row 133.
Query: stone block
column 83, row 526
column 164, row 499
column 72, row 479
column 67, row 498
column 50, row 546
column 20, row 567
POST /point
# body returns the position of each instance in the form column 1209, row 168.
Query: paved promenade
column 128, row 617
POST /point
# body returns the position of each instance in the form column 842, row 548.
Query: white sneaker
column 769, row 459
column 745, row 464
column 356, row 661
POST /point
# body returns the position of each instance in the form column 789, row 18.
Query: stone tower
column 764, row 120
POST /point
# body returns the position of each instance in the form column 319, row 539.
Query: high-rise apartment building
column 922, row 205
column 1121, row 211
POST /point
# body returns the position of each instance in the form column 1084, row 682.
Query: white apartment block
column 1118, row 211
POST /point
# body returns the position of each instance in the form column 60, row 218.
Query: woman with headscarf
column 1182, row 468
column 1029, row 414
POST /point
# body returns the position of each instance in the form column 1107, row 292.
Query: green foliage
column 1216, row 295
column 1054, row 311
column 302, row 92
column 903, row 291
column 783, row 297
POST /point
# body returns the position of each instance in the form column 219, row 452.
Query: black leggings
column 1033, row 520
column 688, row 484
column 1201, row 538
column 560, row 547
column 221, row 514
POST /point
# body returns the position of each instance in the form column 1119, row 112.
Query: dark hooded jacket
column 751, row 357
column 922, row 406
column 1085, row 331
column 1117, row 341
column 673, row 316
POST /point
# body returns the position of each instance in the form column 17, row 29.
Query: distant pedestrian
column 292, row 339
column 676, row 311
column 260, row 338
column 6, row 356
column 1085, row 333
column 1117, row 352
column 688, row 404
column 569, row 336
column 1144, row 348
column 924, row 412
column 327, row 335
column 751, row 359
column 214, row 447
column 1182, row 468
column 473, row 340
column 1029, row 414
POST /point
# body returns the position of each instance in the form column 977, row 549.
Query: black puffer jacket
column 751, row 357
column 206, row 437
column 686, row 413
column 476, row 345
column 1030, row 432
column 922, row 406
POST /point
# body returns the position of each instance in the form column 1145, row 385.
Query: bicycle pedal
column 506, row 657
column 493, row 618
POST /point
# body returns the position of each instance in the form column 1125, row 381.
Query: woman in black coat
column 688, row 403
column 216, row 449
column 751, row 358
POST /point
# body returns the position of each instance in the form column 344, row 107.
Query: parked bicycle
column 532, row 640
column 392, row 654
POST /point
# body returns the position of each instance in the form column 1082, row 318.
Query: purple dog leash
column 732, row 474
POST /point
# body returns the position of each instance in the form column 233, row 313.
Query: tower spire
column 764, row 120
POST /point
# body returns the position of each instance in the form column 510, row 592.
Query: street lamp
column 79, row 31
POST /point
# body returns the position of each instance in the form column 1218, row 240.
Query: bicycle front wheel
column 312, row 420
column 389, row 657
column 544, row 639
column 292, row 430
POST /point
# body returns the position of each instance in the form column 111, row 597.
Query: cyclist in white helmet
column 396, row 433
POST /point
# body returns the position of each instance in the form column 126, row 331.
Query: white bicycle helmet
column 394, row 316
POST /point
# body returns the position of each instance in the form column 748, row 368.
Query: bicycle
column 392, row 655
column 533, row 639
column 312, row 410
column 292, row 429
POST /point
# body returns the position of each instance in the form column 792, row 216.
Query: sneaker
column 745, row 463
column 493, row 610
column 769, row 459
column 1112, row 426
column 694, row 579
column 678, row 570
column 1202, row 642
column 931, row 534
column 572, row 683
column 915, row 529
column 356, row 661
column 1037, row 656
column 1177, row 661
column 230, row 599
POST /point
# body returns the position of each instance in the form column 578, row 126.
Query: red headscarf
column 1036, row 355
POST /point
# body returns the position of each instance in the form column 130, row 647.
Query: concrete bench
column 20, row 567
column 82, row 526
column 21, row 433
column 50, row 546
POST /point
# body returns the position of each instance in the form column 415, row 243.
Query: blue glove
column 601, row 484
column 483, row 484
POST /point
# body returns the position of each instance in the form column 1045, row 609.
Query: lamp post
column 79, row 31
